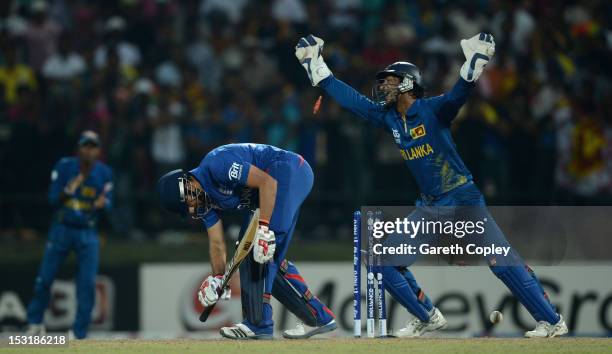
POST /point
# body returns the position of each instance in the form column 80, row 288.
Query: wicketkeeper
column 421, row 129
column 238, row 177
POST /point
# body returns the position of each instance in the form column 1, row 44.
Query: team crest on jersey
column 417, row 131
column 396, row 135
column 88, row 192
column 235, row 171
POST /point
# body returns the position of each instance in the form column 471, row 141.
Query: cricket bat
column 242, row 251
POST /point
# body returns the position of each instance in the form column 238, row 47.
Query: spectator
column 41, row 35
column 65, row 65
column 129, row 54
column 289, row 11
column 14, row 75
column 231, row 10
column 205, row 58
column 167, row 147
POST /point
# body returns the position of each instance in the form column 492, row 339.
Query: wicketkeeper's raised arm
column 478, row 51
column 309, row 52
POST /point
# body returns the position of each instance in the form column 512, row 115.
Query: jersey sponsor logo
column 417, row 152
column 396, row 136
column 235, row 171
column 417, row 131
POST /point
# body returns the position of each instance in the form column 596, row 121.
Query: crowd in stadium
column 164, row 81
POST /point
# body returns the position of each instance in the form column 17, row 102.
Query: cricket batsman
column 421, row 129
column 240, row 177
column 81, row 187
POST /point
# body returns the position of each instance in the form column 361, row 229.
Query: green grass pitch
column 344, row 345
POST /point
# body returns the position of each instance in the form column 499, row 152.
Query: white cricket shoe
column 546, row 330
column 302, row 331
column 416, row 327
column 241, row 331
column 36, row 330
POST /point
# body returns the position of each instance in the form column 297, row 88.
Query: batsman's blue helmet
column 171, row 192
column 176, row 188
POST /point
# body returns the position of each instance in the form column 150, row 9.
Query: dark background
column 164, row 82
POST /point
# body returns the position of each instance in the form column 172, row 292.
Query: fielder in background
column 244, row 177
column 421, row 129
column 81, row 187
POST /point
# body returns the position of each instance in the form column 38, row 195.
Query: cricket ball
column 496, row 317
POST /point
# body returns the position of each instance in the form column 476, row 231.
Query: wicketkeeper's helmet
column 408, row 73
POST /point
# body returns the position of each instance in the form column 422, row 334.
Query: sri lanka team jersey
column 422, row 134
column 78, row 210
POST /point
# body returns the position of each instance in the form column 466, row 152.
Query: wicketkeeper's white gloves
column 478, row 50
column 265, row 243
column 208, row 293
column 308, row 51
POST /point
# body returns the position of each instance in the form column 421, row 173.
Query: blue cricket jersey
column 422, row 135
column 78, row 210
column 223, row 174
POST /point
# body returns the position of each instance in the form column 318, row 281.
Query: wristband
column 264, row 222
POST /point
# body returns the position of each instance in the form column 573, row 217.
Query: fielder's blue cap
column 169, row 192
column 89, row 137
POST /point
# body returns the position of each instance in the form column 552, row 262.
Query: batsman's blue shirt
column 78, row 210
column 422, row 134
column 223, row 174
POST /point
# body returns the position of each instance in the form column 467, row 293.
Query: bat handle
column 204, row 315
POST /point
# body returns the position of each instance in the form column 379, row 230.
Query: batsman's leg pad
column 287, row 295
column 397, row 285
column 252, row 282
column 528, row 290
column 290, row 290
column 420, row 294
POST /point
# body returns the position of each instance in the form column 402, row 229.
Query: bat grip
column 204, row 315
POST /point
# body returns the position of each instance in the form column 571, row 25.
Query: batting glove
column 308, row 51
column 209, row 291
column 265, row 243
column 478, row 50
